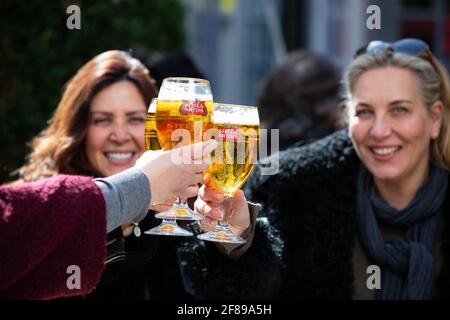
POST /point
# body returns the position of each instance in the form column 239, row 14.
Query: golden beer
column 235, row 157
column 191, row 115
column 151, row 135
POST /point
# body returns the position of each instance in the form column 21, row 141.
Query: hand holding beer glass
column 183, row 112
column 236, row 129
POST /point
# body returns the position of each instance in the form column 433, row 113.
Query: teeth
column 119, row 156
column 384, row 151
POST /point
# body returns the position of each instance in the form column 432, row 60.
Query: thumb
column 239, row 198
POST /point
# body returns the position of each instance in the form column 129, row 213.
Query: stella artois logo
column 228, row 134
column 196, row 107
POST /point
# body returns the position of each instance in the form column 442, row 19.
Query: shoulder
column 321, row 159
column 329, row 152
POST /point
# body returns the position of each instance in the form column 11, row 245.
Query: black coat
column 147, row 267
column 310, row 206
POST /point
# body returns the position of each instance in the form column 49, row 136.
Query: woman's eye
column 137, row 120
column 362, row 112
column 100, row 121
column 399, row 110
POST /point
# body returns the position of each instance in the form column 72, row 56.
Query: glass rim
column 185, row 80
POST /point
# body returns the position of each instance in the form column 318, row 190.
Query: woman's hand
column 208, row 202
column 175, row 172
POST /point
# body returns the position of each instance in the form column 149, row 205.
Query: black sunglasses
column 411, row 46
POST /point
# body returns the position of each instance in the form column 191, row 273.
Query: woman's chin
column 386, row 176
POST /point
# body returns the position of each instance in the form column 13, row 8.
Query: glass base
column 169, row 229
column 221, row 234
column 179, row 212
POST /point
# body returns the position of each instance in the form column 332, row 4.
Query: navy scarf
column 406, row 262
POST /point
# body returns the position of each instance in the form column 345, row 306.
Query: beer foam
column 174, row 95
column 235, row 114
column 185, row 91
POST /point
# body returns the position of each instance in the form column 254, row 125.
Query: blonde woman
column 370, row 200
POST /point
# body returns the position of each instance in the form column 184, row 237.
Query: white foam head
column 234, row 114
column 185, row 89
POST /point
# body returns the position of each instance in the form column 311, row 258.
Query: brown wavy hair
column 60, row 148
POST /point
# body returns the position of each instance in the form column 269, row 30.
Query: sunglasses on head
column 410, row 46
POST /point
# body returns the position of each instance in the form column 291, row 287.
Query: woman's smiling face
column 115, row 136
column 391, row 127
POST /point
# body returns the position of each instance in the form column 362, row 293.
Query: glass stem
column 226, row 210
column 172, row 222
column 180, row 202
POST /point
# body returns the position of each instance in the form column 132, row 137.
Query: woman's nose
column 381, row 128
column 120, row 134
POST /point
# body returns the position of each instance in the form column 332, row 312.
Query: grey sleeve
column 127, row 197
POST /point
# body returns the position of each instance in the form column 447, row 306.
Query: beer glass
column 167, row 227
column 183, row 113
column 236, row 129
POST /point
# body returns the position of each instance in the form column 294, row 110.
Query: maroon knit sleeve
column 51, row 232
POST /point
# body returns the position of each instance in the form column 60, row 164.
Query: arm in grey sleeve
column 127, row 197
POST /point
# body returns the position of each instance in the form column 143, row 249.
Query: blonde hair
column 433, row 82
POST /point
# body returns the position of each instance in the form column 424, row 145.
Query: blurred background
column 233, row 43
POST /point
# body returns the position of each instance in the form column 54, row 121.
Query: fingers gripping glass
column 236, row 129
column 410, row 46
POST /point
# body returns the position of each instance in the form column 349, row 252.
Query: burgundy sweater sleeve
column 52, row 238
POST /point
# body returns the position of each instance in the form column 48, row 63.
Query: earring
column 136, row 229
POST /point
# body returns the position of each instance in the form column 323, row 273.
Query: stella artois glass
column 236, row 128
column 183, row 113
column 167, row 226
